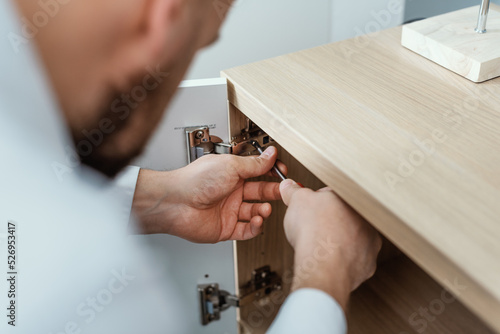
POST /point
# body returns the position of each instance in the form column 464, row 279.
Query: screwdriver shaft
column 256, row 144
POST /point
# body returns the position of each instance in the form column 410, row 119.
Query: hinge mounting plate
column 213, row 300
column 200, row 142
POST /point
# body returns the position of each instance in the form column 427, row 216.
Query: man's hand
column 209, row 200
column 335, row 248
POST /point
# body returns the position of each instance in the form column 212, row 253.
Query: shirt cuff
column 124, row 187
column 309, row 311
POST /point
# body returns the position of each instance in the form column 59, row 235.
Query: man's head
column 115, row 64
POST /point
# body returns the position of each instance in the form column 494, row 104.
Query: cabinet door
column 230, row 264
column 198, row 102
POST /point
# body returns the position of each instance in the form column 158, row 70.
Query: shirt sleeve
column 124, row 188
column 309, row 311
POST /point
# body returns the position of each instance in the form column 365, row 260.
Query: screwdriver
column 256, row 144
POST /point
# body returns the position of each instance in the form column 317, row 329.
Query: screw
column 199, row 134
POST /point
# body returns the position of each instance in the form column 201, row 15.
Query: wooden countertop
column 412, row 146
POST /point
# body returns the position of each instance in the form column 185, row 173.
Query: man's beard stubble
column 135, row 120
column 97, row 145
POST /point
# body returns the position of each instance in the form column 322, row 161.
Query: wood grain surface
column 410, row 145
column 450, row 40
column 403, row 299
column 400, row 298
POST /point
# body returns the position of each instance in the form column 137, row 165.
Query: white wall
column 260, row 29
column 356, row 18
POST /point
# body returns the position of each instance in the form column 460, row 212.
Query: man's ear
column 163, row 27
column 153, row 37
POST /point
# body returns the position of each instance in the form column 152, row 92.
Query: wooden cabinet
column 411, row 146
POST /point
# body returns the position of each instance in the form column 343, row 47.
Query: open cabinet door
column 255, row 275
column 198, row 102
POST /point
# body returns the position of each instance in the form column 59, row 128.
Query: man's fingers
column 250, row 210
column 261, row 191
column 250, row 220
column 246, row 231
column 254, row 166
column 288, row 188
column 256, row 226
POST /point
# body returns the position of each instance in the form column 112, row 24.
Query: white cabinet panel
column 196, row 103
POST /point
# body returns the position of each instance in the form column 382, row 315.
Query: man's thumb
column 288, row 189
column 258, row 165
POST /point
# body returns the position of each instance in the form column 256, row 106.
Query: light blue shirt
column 77, row 268
column 309, row 311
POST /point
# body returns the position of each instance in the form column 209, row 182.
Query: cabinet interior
column 401, row 298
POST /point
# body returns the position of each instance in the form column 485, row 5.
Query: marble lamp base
column 450, row 40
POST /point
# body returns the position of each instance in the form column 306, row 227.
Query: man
column 76, row 270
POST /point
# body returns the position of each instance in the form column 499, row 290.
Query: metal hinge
column 200, row 142
column 213, row 300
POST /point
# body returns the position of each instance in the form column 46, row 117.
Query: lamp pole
column 483, row 17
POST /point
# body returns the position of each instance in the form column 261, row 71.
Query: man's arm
column 335, row 251
column 209, row 200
